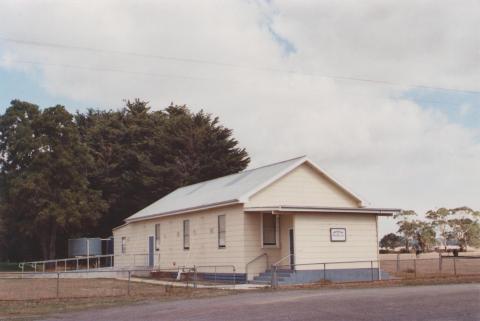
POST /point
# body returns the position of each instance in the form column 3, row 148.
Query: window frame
column 123, row 245
column 224, row 245
column 186, row 235
column 277, row 231
column 157, row 237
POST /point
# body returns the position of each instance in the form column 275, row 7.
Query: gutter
column 312, row 209
column 184, row 210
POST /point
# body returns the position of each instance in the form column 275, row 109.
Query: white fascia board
column 307, row 209
column 246, row 197
column 336, row 182
column 184, row 211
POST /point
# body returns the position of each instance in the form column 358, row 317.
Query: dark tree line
column 66, row 175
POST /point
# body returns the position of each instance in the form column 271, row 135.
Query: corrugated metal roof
column 227, row 189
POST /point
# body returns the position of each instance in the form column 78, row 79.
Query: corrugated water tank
column 78, row 247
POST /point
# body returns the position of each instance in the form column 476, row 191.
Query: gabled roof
column 226, row 190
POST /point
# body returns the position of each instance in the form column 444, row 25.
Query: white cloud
column 390, row 150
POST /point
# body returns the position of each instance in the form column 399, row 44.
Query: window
column 221, row 231
column 186, row 235
column 124, row 245
column 157, row 237
column 269, row 229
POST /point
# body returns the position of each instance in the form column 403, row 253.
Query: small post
column 440, row 261
column 379, row 274
column 194, row 277
column 65, row 265
column 371, row 269
column 454, row 266
column 44, row 266
column 58, row 284
column 324, row 272
column 415, row 267
column 234, row 276
column 88, row 254
column 128, row 287
column 274, row 276
column 35, row 265
column 398, row 262
column 77, row 264
column 56, row 265
column 215, row 274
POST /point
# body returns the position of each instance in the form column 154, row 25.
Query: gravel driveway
column 436, row 303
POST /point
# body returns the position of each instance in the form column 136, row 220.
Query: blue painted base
column 336, row 275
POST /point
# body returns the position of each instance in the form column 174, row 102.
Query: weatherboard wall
column 204, row 249
column 303, row 186
column 313, row 243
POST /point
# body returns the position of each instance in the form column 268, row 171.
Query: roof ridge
column 244, row 171
column 272, row 164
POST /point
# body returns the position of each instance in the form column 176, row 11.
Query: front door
column 292, row 249
column 151, row 244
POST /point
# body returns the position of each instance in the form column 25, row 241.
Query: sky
column 384, row 95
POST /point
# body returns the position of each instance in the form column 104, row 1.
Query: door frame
column 151, row 251
column 291, row 247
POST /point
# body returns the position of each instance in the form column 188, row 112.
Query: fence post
column 379, row 274
column 415, row 267
column 128, row 287
column 371, row 269
column 324, row 272
column 398, row 262
column 454, row 266
column 234, row 277
column 440, row 258
column 65, row 265
column 77, row 264
column 58, row 284
column 274, row 277
column 194, row 277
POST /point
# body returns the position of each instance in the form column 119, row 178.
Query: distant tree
column 439, row 219
column 424, row 235
column 391, row 241
column 44, row 165
column 407, row 226
column 465, row 227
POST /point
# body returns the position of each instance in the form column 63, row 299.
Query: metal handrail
column 335, row 262
column 250, row 262
column 282, row 259
column 34, row 264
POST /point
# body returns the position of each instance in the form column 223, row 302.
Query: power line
column 208, row 62
column 133, row 72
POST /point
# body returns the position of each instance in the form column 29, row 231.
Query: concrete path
column 460, row 302
column 221, row 286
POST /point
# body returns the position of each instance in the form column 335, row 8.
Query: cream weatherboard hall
column 291, row 213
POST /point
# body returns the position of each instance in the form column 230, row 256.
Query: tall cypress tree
column 141, row 155
column 45, row 166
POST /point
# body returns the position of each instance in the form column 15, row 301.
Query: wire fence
column 114, row 282
column 374, row 270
